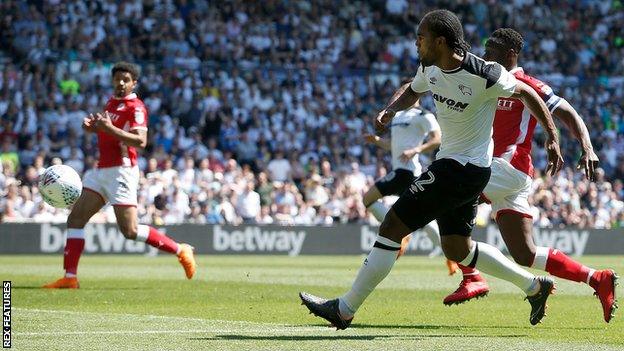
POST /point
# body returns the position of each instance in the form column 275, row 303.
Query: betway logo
column 98, row 239
column 420, row 242
column 569, row 241
column 254, row 239
column 450, row 103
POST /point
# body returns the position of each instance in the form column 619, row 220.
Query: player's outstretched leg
column 472, row 285
column 155, row 238
column 517, row 231
column 339, row 312
column 491, row 261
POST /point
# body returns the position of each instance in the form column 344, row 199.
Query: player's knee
column 129, row 231
column 75, row 220
column 524, row 257
column 392, row 229
column 454, row 252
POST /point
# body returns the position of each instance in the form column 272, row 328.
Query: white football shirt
column 466, row 100
column 409, row 129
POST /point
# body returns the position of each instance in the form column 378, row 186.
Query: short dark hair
column 123, row 66
column 507, row 38
column 446, row 24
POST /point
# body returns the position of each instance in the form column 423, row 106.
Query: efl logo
column 6, row 315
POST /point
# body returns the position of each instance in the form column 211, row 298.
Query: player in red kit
column 510, row 182
column 121, row 129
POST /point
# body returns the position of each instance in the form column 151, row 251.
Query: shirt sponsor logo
column 450, row 103
column 506, row 105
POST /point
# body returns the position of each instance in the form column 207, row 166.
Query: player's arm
column 434, row 140
column 539, row 109
column 404, row 98
column 589, row 160
column 377, row 141
column 134, row 138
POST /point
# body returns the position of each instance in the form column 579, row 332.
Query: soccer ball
column 60, row 186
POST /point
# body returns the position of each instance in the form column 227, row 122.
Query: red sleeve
column 543, row 90
column 138, row 117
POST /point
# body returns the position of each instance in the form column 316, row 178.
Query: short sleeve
column 138, row 119
column 505, row 84
column 551, row 100
column 419, row 83
column 431, row 122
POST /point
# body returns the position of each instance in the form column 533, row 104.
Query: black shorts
column 447, row 192
column 395, row 182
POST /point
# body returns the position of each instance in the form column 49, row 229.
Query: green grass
column 251, row 303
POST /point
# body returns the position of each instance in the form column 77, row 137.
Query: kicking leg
column 376, row 267
column 127, row 220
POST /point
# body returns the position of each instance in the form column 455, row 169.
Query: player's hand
column 371, row 139
column 555, row 161
column 589, row 162
column 88, row 123
column 383, row 119
column 103, row 121
column 407, row 155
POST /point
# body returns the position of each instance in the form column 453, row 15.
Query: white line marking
column 212, row 326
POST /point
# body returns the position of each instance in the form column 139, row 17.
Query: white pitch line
column 115, row 332
column 230, row 326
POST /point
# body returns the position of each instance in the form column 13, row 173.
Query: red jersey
column 128, row 113
column 514, row 125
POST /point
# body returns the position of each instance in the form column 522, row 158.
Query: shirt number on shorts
column 419, row 183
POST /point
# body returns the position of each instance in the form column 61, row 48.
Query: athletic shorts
column 447, row 192
column 395, row 182
column 508, row 189
column 117, row 185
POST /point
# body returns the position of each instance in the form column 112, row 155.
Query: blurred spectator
column 278, row 95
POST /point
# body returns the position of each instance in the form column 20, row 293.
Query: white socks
column 541, row 257
column 379, row 210
column 491, row 261
column 142, row 233
column 375, row 268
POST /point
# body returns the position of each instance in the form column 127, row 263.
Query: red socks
column 470, row 272
column 71, row 256
column 161, row 241
column 562, row 266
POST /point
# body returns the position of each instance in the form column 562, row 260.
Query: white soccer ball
column 60, row 186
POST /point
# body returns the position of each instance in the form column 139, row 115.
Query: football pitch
column 251, row 303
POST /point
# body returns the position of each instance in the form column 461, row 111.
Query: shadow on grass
column 345, row 337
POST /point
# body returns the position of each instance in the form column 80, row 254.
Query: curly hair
column 507, row 38
column 123, row 66
column 446, row 24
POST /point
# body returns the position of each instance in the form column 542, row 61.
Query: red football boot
column 470, row 287
column 604, row 283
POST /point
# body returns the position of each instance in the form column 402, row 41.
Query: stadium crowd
column 258, row 109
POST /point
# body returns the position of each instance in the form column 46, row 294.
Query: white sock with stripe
column 374, row 269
